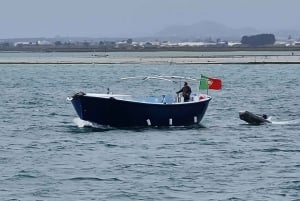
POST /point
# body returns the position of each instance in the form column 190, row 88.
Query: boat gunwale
column 115, row 97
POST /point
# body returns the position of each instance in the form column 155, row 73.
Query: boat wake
column 82, row 124
column 288, row 122
column 291, row 122
column 86, row 124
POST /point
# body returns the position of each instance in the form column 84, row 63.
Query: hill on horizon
column 214, row 30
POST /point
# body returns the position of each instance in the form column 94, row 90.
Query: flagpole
column 207, row 87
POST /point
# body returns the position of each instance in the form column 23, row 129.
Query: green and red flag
column 210, row 83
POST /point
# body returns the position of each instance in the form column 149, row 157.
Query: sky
column 134, row 18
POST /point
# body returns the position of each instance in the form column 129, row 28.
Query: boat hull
column 125, row 113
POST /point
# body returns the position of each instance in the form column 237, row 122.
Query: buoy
column 148, row 122
column 170, row 121
column 195, row 119
column 201, row 97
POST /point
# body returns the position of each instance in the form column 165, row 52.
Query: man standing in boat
column 186, row 92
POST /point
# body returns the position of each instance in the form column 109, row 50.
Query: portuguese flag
column 210, row 83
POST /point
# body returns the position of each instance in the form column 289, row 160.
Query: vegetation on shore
column 259, row 42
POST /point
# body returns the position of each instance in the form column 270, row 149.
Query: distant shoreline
column 155, row 49
column 154, row 60
column 110, row 63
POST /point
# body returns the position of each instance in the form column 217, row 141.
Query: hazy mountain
column 208, row 29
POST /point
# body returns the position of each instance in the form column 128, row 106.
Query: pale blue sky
column 131, row 18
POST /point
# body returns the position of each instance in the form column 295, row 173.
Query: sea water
column 48, row 153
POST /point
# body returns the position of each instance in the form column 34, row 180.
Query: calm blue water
column 47, row 155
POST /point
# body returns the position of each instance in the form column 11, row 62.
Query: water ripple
column 93, row 179
column 47, row 153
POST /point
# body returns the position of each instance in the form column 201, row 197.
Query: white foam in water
column 81, row 123
column 284, row 122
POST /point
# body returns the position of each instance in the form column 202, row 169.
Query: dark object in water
column 253, row 118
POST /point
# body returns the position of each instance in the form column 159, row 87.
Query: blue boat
column 117, row 110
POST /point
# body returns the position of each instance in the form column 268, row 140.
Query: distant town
column 257, row 42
